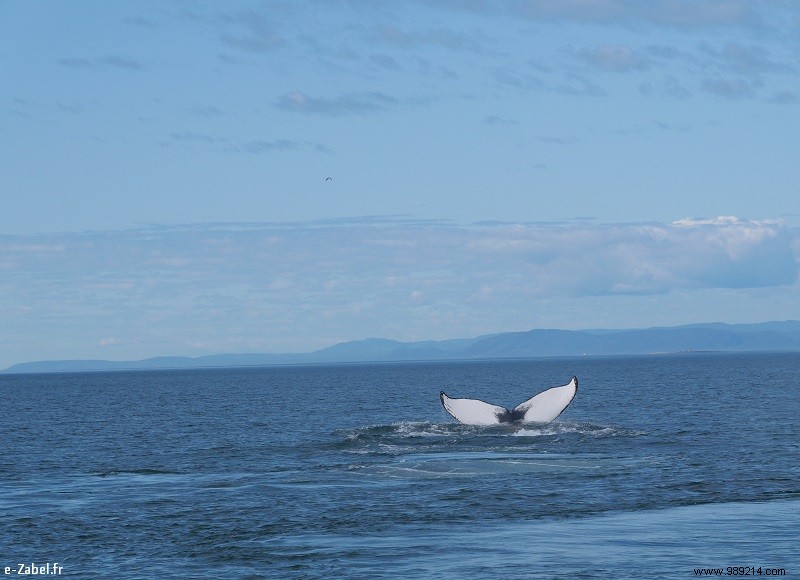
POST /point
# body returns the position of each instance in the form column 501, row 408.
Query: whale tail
column 542, row 408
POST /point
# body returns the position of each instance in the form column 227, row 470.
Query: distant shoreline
column 711, row 338
column 129, row 369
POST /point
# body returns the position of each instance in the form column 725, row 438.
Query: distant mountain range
column 765, row 336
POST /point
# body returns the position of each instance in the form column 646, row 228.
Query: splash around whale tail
column 541, row 408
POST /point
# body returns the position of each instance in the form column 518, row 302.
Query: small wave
column 410, row 429
column 410, row 438
column 469, row 464
column 434, row 470
column 591, row 429
column 401, row 429
column 128, row 472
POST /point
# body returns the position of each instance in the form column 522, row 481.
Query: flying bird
column 329, row 179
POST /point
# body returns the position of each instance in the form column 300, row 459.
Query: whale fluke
column 542, row 408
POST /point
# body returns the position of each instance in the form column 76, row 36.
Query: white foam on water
column 591, row 429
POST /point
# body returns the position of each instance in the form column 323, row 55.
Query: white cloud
column 670, row 13
column 716, row 221
column 290, row 287
column 458, row 41
column 751, row 60
column 349, row 104
column 270, row 254
column 613, row 57
column 251, row 30
column 113, row 61
column 728, row 88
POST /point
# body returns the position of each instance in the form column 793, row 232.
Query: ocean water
column 661, row 466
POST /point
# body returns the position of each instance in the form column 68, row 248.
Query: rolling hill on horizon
column 719, row 337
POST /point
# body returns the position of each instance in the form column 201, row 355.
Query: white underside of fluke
column 541, row 408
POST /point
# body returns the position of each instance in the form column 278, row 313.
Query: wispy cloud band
column 578, row 258
column 295, row 286
column 349, row 104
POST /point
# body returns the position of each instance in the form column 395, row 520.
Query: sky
column 494, row 166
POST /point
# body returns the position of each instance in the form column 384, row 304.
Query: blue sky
column 495, row 166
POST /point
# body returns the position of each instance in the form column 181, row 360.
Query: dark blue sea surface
column 661, row 465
